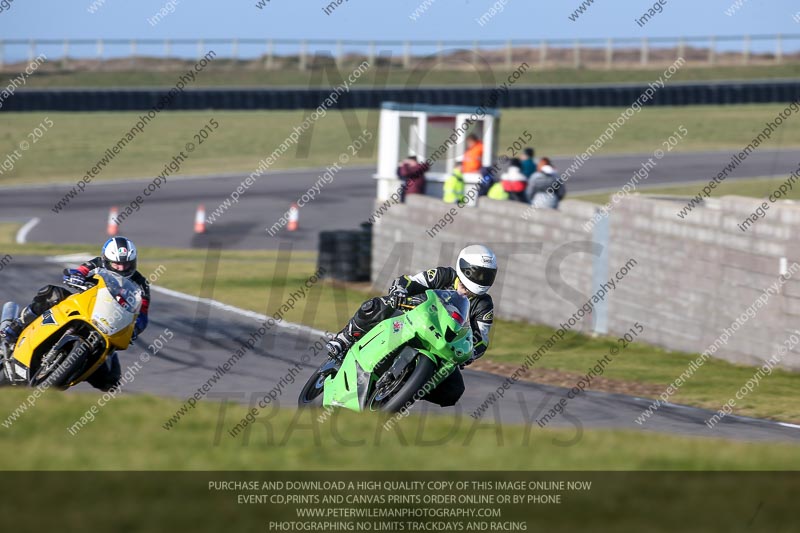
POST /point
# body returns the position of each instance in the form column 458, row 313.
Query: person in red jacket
column 515, row 182
column 412, row 173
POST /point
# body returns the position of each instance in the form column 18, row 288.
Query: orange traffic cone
column 200, row 219
column 294, row 217
column 112, row 227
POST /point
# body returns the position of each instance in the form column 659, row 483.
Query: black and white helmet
column 119, row 255
column 476, row 268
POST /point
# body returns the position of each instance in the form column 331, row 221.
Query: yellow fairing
column 54, row 322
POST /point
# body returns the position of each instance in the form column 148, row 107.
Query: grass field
column 76, row 141
column 329, row 305
column 216, row 76
column 127, row 434
column 754, row 188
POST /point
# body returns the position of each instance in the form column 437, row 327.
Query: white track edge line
column 22, row 234
column 236, row 310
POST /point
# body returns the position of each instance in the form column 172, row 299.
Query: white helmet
column 119, row 255
column 476, row 267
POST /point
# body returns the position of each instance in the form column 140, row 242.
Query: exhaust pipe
column 10, row 312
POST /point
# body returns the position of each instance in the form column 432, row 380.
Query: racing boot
column 343, row 341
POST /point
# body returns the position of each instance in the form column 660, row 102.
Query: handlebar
column 88, row 281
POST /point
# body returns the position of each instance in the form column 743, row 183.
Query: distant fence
column 273, row 54
column 706, row 93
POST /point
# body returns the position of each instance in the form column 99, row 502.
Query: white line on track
column 238, row 311
column 22, row 234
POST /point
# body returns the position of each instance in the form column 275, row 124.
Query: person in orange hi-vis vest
column 473, row 156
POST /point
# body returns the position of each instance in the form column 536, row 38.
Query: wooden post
column 406, row 55
column 509, row 54
column 712, row 49
column 779, row 49
column 100, row 49
column 746, row 50
column 681, row 48
column 576, row 54
column 542, row 53
column 65, row 54
column 645, row 52
column 270, row 45
column 609, row 53
column 339, row 54
column 302, row 57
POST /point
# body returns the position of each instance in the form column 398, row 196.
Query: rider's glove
column 74, row 276
column 139, row 327
column 399, row 293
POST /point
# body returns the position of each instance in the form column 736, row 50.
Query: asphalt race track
column 192, row 356
column 166, row 218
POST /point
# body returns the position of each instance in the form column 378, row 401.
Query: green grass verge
column 219, row 76
column 127, row 434
column 77, row 140
column 753, row 188
column 263, row 289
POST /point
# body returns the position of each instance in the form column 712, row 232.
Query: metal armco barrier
column 707, row 93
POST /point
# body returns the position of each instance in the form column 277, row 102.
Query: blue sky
column 389, row 19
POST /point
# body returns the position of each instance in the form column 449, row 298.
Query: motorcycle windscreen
column 110, row 315
column 457, row 306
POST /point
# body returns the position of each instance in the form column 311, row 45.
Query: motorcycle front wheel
column 394, row 393
column 311, row 395
column 60, row 373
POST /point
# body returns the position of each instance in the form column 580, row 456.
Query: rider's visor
column 479, row 275
column 119, row 267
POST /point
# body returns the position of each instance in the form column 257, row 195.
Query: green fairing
column 392, row 334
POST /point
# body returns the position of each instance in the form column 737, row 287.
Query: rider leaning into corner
column 475, row 272
column 118, row 255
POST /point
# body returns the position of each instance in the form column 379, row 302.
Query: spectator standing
column 473, row 156
column 453, row 190
column 514, row 182
column 547, row 189
column 487, row 180
column 413, row 175
column 528, row 162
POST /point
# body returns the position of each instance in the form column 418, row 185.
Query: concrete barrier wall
column 689, row 280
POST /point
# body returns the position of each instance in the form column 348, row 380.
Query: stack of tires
column 346, row 255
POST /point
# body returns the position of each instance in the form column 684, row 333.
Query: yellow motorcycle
column 69, row 341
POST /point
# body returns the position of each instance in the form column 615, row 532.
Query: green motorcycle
column 399, row 360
